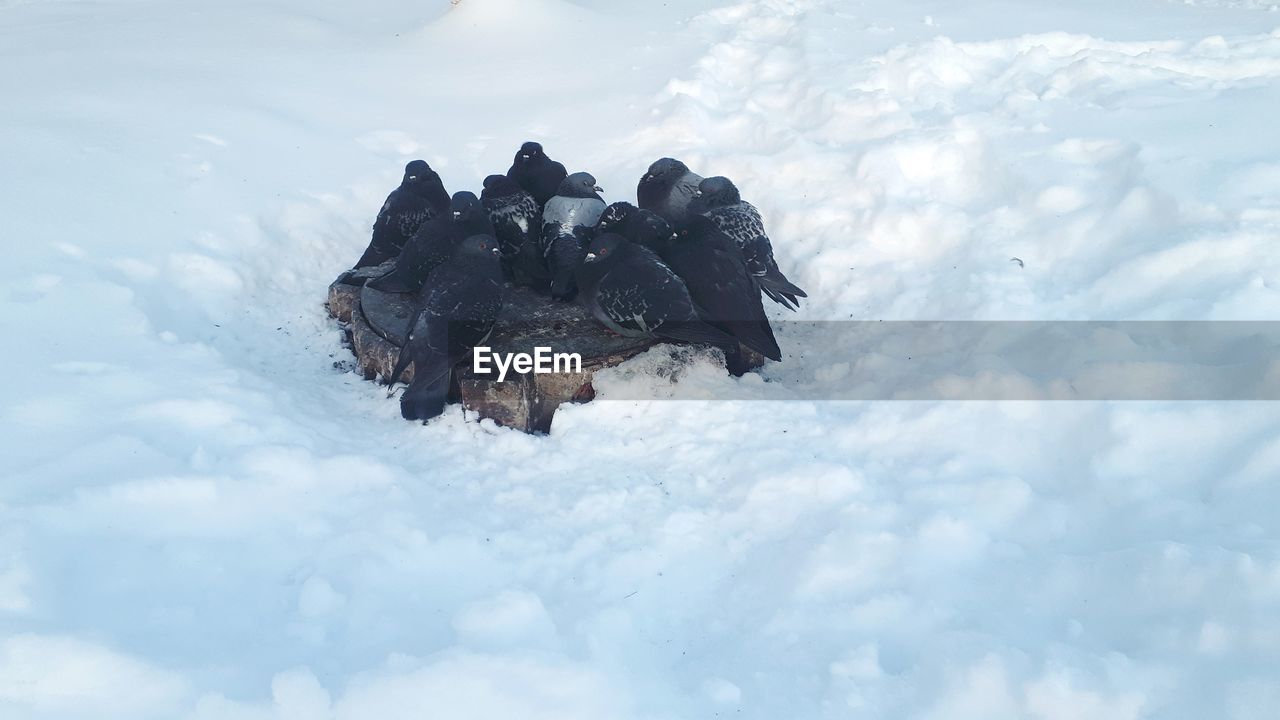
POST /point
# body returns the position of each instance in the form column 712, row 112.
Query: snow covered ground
column 205, row 515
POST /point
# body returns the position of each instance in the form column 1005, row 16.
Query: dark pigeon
column 458, row 306
column 718, row 199
column 434, row 243
column 666, row 189
column 719, row 283
column 420, row 197
column 517, row 223
column 642, row 227
column 567, row 222
column 539, row 175
column 632, row 292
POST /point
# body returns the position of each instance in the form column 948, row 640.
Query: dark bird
column 420, row 197
column 722, row 288
column 567, row 221
column 642, row 227
column 458, row 306
column 539, row 175
column 517, row 223
column 666, row 189
column 718, row 199
column 434, row 243
column 632, row 292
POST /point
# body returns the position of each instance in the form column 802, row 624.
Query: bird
column 539, row 175
column 434, row 243
column 420, row 197
column 457, row 308
column 643, row 227
column 725, row 292
column 566, row 224
column 666, row 189
column 718, row 199
column 517, row 224
column 632, row 292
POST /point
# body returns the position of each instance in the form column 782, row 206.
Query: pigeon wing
column 514, row 221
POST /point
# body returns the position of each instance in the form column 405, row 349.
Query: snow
column 205, row 515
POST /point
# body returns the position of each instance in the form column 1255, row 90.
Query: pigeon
column 642, row 227
column 457, row 308
column 434, row 243
column 725, row 292
column 666, row 189
column 633, row 293
column 517, row 224
column 420, row 197
column 718, row 199
column 539, row 175
column 566, row 226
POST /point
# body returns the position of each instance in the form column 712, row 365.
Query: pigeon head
column 529, row 151
column 665, row 168
column 615, row 215
column 579, row 185
column 499, row 186
column 718, row 191
column 604, row 248
column 479, row 247
column 416, row 171
column 420, row 179
column 463, row 205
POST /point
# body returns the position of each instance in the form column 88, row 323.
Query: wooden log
column 345, row 291
column 379, row 322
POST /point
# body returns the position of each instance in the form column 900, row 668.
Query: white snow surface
column 205, row 515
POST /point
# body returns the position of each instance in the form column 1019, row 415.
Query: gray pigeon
column 666, row 189
column 632, row 292
column 718, row 199
column 567, row 221
column 434, row 243
column 538, row 174
column 457, row 308
column 643, row 227
column 517, row 223
column 727, row 295
column 420, row 197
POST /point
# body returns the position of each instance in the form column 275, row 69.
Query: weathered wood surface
column 345, row 291
column 379, row 322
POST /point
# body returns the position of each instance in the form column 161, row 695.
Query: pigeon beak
column 456, row 214
column 675, row 235
column 526, row 157
column 496, row 251
column 413, row 177
column 598, row 189
column 591, row 257
column 697, row 193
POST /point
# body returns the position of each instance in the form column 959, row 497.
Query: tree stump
column 378, row 323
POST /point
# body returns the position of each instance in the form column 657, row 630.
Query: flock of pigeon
column 690, row 263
